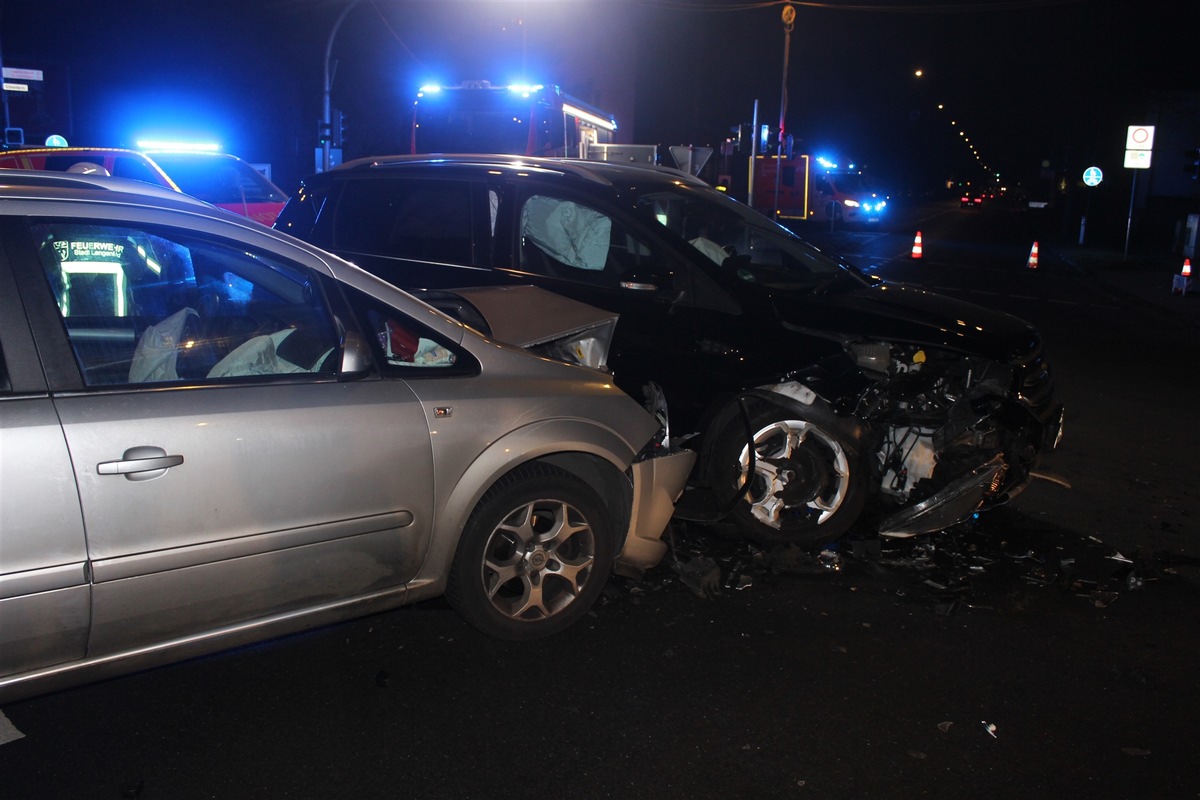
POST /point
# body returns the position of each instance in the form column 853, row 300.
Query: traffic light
column 1192, row 166
column 338, row 126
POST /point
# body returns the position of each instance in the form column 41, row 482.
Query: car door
column 571, row 244
column 44, row 593
column 226, row 475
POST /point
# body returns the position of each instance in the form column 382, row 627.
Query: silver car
column 211, row 433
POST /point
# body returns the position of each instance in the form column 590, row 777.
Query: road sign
column 1140, row 137
column 1137, row 159
column 17, row 74
column 1092, row 176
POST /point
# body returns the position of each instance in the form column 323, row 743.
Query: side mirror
column 356, row 357
column 736, row 262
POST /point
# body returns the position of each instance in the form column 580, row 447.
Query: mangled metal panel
column 543, row 322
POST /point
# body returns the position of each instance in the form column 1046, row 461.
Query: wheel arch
column 594, row 454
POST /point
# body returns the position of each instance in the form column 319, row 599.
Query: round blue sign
column 1092, row 176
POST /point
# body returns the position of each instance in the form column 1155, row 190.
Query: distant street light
column 326, row 120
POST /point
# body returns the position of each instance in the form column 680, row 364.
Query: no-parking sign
column 1140, row 137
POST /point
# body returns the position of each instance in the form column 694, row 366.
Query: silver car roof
column 45, row 185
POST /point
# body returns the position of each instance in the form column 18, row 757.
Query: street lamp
column 326, row 120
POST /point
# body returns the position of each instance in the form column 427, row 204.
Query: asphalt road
column 1050, row 650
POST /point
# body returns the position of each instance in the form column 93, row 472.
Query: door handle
column 140, row 463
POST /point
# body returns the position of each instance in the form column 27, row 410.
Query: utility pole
column 4, row 94
column 753, row 154
column 326, row 120
column 789, row 19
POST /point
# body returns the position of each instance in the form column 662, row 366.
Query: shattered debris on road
column 974, row 566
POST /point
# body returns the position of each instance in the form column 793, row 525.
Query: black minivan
column 811, row 390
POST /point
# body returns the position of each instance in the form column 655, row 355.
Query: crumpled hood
column 902, row 313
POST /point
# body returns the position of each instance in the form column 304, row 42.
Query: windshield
column 484, row 121
column 739, row 239
column 851, row 182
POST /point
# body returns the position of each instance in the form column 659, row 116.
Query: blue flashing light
column 826, row 163
column 525, row 88
column 429, row 88
column 55, row 140
column 186, row 146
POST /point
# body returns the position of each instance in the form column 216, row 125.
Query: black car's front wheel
column 801, row 484
column 534, row 556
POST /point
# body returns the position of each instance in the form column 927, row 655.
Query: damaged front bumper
column 657, row 483
column 988, row 484
column 950, row 506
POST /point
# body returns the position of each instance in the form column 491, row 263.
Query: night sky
column 1029, row 81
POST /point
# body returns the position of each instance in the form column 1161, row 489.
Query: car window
column 569, row 239
column 422, row 220
column 65, row 163
column 132, row 166
column 218, row 179
column 136, row 168
column 144, row 306
column 738, row 239
column 404, row 347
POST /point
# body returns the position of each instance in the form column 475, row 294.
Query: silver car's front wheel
column 534, row 556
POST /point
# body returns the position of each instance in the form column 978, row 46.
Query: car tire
column 534, row 556
column 808, row 485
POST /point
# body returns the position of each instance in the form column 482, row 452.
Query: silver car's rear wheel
column 534, row 556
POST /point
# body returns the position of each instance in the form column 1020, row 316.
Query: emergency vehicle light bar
column 587, row 116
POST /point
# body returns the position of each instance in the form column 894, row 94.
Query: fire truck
column 532, row 120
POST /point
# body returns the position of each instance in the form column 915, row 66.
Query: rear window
column 133, row 167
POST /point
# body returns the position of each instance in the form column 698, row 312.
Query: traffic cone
column 916, row 251
column 1033, row 257
column 1183, row 281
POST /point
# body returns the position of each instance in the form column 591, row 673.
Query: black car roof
column 594, row 171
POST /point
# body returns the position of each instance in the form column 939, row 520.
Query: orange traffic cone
column 1033, row 257
column 916, row 251
column 1183, row 281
